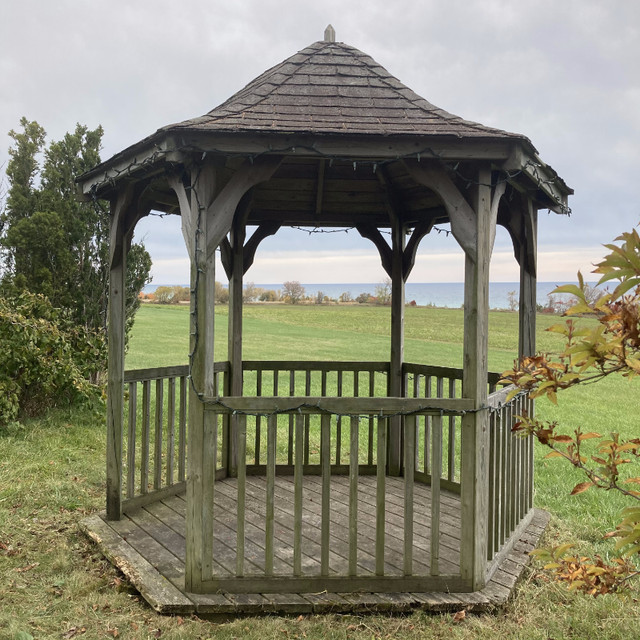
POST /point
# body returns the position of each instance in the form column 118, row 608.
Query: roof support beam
column 461, row 214
column 223, row 208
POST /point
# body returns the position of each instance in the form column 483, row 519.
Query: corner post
column 396, row 378
column 528, row 276
column 234, row 384
column 201, row 461
column 119, row 242
column 475, row 425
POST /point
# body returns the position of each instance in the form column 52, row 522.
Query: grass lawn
column 53, row 583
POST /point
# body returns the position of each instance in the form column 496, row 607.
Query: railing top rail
column 499, row 397
column 175, row 371
column 313, row 365
column 432, row 370
column 154, row 373
column 339, row 406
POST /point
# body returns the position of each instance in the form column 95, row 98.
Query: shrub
column 270, row 295
column 48, row 360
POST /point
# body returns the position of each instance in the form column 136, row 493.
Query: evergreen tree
column 51, row 242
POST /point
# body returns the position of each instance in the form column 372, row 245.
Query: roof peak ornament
column 329, row 34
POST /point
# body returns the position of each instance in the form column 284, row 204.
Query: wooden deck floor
column 148, row 545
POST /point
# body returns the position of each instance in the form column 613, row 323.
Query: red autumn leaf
column 582, row 486
column 460, row 616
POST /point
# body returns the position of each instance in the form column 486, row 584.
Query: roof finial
column 329, row 34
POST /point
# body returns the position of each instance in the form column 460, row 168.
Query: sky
column 565, row 73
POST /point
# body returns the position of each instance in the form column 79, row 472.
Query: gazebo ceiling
column 346, row 129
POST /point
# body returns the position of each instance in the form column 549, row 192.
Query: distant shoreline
column 443, row 295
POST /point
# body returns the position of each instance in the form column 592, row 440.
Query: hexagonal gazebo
column 239, row 486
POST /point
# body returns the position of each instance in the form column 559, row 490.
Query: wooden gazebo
column 296, row 486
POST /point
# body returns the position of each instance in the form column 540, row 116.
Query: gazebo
column 242, row 486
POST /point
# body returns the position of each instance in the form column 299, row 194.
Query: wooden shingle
column 331, row 87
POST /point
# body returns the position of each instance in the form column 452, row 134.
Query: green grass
column 52, row 579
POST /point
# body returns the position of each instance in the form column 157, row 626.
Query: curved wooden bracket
column 409, row 255
column 265, row 230
column 223, row 207
column 460, row 212
column 178, row 187
column 386, row 254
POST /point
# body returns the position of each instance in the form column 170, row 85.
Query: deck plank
column 148, row 545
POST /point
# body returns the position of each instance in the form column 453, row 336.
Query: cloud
column 564, row 74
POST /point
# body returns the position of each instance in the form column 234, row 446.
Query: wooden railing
column 322, row 419
column 259, row 570
column 155, row 442
column 510, row 470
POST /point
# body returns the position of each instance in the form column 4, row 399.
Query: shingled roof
column 333, row 88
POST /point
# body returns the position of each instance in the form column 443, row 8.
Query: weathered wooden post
column 475, row 425
column 201, row 443
column 120, row 238
column 396, row 378
column 234, row 383
column 528, row 303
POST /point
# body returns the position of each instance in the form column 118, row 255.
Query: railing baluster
column 380, row 494
column 292, row 392
column 145, row 436
column 416, row 394
column 451, row 455
column 514, row 468
column 242, row 491
column 157, row 454
column 427, row 428
column 210, row 448
column 325, row 463
column 258, row 419
column 131, row 439
column 171, row 430
column 491, row 549
column 436, row 473
column 182, row 430
column 372, row 391
column 353, row 495
column 307, row 418
column 505, row 419
column 272, row 427
column 409, row 468
column 339, row 422
column 297, row 495
column 530, row 475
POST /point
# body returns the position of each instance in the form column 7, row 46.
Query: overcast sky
column 566, row 73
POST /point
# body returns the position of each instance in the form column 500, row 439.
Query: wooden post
column 475, row 427
column 528, row 302
column 199, row 516
column 120, row 208
column 396, row 379
column 238, row 231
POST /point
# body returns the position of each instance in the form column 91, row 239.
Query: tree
column 221, row 293
column 383, row 292
column 591, row 354
column 50, row 242
column 251, row 293
column 293, row 291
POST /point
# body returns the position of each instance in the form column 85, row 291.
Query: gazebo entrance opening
column 301, row 477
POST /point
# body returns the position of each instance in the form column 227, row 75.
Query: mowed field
column 54, row 584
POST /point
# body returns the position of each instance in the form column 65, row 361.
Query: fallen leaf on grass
column 74, row 631
column 27, row 568
column 460, row 616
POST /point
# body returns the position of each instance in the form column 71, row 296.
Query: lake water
column 442, row 294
